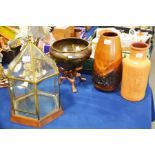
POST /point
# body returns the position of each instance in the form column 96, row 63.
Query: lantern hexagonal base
column 36, row 123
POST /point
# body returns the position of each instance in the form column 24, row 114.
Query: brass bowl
column 70, row 53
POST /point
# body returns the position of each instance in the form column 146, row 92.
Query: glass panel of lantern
column 34, row 87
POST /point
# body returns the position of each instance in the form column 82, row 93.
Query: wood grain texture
column 34, row 122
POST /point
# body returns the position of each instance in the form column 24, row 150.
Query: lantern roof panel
column 31, row 64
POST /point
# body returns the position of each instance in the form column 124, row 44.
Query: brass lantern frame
column 23, row 119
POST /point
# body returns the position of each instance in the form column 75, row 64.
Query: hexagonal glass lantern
column 33, row 87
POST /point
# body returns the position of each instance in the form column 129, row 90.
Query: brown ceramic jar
column 108, row 62
column 135, row 72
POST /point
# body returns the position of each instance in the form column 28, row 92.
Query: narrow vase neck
column 138, row 51
column 138, row 55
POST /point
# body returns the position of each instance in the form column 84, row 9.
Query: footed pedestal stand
column 71, row 76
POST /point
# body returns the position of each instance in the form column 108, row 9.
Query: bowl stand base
column 71, row 75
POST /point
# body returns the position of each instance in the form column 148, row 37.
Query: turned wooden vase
column 108, row 62
column 135, row 72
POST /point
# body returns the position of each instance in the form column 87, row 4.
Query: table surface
column 90, row 109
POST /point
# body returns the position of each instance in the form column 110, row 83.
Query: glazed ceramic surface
column 108, row 62
column 70, row 53
column 135, row 73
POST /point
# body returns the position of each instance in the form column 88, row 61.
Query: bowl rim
column 56, row 50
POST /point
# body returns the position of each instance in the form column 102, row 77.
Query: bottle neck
column 138, row 51
column 138, row 55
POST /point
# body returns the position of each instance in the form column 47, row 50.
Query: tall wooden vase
column 108, row 62
column 135, row 72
